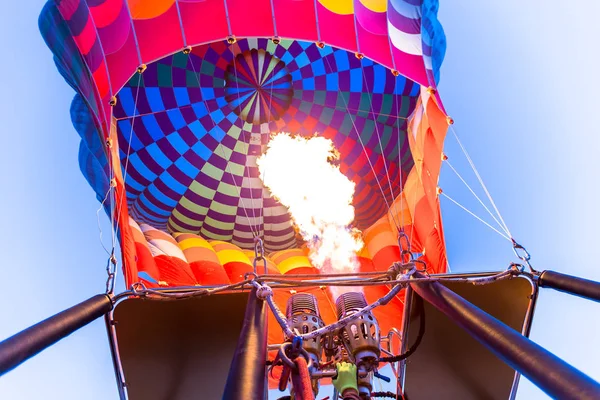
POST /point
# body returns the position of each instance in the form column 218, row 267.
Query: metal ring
column 288, row 361
column 138, row 289
column 252, row 274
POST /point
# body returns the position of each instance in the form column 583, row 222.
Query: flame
column 302, row 174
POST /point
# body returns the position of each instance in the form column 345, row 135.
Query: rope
column 301, row 380
column 472, row 164
column 477, row 197
column 358, row 111
column 413, row 348
column 197, row 76
column 477, row 217
column 237, row 84
column 370, row 94
column 137, row 92
column 361, row 141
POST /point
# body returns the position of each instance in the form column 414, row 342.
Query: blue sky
column 519, row 79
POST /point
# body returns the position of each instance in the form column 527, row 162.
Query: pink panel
column 160, row 36
column 410, row 66
column 296, row 19
column 375, row 47
column 212, row 29
column 251, row 18
column 337, row 30
column 107, row 12
column 123, row 63
column 113, row 36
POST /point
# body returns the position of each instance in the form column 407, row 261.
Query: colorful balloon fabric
column 177, row 98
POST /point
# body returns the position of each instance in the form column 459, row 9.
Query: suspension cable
column 477, row 197
column 477, row 217
column 360, row 140
column 197, row 76
column 472, row 164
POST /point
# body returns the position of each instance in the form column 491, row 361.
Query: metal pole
column 570, row 284
column 404, row 343
column 27, row 343
column 246, row 379
column 114, row 352
column 551, row 374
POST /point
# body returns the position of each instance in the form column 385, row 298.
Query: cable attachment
column 259, row 255
column 404, row 246
column 289, row 351
column 139, row 289
column 516, row 269
column 263, row 292
column 522, row 254
column 399, row 271
column 111, row 270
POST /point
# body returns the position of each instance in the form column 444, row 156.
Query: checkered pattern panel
column 191, row 127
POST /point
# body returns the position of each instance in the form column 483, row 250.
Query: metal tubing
column 29, row 342
column 404, row 343
column 247, row 375
column 114, row 352
column 551, row 374
column 570, row 284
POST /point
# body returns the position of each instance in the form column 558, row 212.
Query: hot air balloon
column 177, row 99
column 175, row 102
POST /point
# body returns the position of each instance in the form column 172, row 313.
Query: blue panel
column 332, row 82
column 356, row 80
column 202, row 151
column 341, row 60
column 308, row 84
column 187, row 167
column 199, row 109
column 126, row 99
column 318, row 67
column 125, row 127
column 158, row 156
column 140, row 167
column 152, row 127
column 380, row 78
column 197, row 129
column 173, row 183
column 176, row 118
column 302, row 60
column 154, row 99
column 182, row 96
column 161, row 197
column 176, row 141
column 217, row 133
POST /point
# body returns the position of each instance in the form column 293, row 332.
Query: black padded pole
column 27, row 343
column 246, row 379
column 570, row 284
column 551, row 374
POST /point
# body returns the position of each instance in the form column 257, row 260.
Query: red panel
column 145, row 263
column 209, row 273
column 236, row 270
column 251, row 18
column 174, row 271
column 101, row 80
column 337, row 30
column 211, row 29
column 296, row 19
column 375, row 47
column 160, row 36
column 123, row 63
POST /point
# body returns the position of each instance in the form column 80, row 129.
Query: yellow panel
column 342, row 7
